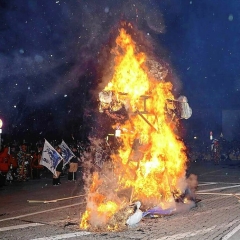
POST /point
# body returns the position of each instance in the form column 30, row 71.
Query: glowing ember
column 151, row 161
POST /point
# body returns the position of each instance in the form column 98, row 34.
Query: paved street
column 217, row 216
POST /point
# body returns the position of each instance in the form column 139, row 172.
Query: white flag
column 66, row 153
column 50, row 157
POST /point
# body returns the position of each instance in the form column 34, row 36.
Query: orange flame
column 98, row 209
column 152, row 159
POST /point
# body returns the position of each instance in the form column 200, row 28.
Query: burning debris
column 148, row 167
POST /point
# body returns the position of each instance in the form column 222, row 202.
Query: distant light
column 29, row 88
column 190, row 2
column 1, row 123
column 65, row 95
column 211, row 135
column 14, row 106
column 21, row 51
column 195, row 137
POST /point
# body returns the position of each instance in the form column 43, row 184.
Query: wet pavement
column 216, row 216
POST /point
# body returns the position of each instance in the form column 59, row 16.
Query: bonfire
column 150, row 163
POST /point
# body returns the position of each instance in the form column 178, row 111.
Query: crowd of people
column 22, row 162
column 216, row 150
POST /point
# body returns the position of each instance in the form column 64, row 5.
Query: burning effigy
column 148, row 168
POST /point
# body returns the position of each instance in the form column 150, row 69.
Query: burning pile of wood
column 151, row 159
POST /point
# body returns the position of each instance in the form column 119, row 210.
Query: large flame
column 152, row 159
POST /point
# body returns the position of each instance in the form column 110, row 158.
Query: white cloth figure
column 134, row 219
column 186, row 111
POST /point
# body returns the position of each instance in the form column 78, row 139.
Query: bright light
column 1, row 123
column 195, row 137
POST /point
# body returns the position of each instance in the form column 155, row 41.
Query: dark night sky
column 48, row 50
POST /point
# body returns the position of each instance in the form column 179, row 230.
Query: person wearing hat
column 13, row 161
column 36, row 167
column 23, row 163
column 73, row 165
column 56, row 178
column 4, row 165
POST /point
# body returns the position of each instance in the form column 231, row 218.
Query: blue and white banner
column 67, row 154
column 50, row 157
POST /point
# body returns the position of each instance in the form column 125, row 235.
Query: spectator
column 73, row 165
column 35, row 166
column 56, row 178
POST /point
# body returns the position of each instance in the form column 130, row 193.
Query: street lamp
column 1, row 124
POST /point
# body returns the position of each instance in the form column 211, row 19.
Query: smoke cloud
column 48, row 54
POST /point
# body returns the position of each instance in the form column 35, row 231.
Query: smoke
column 49, row 52
column 99, row 169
